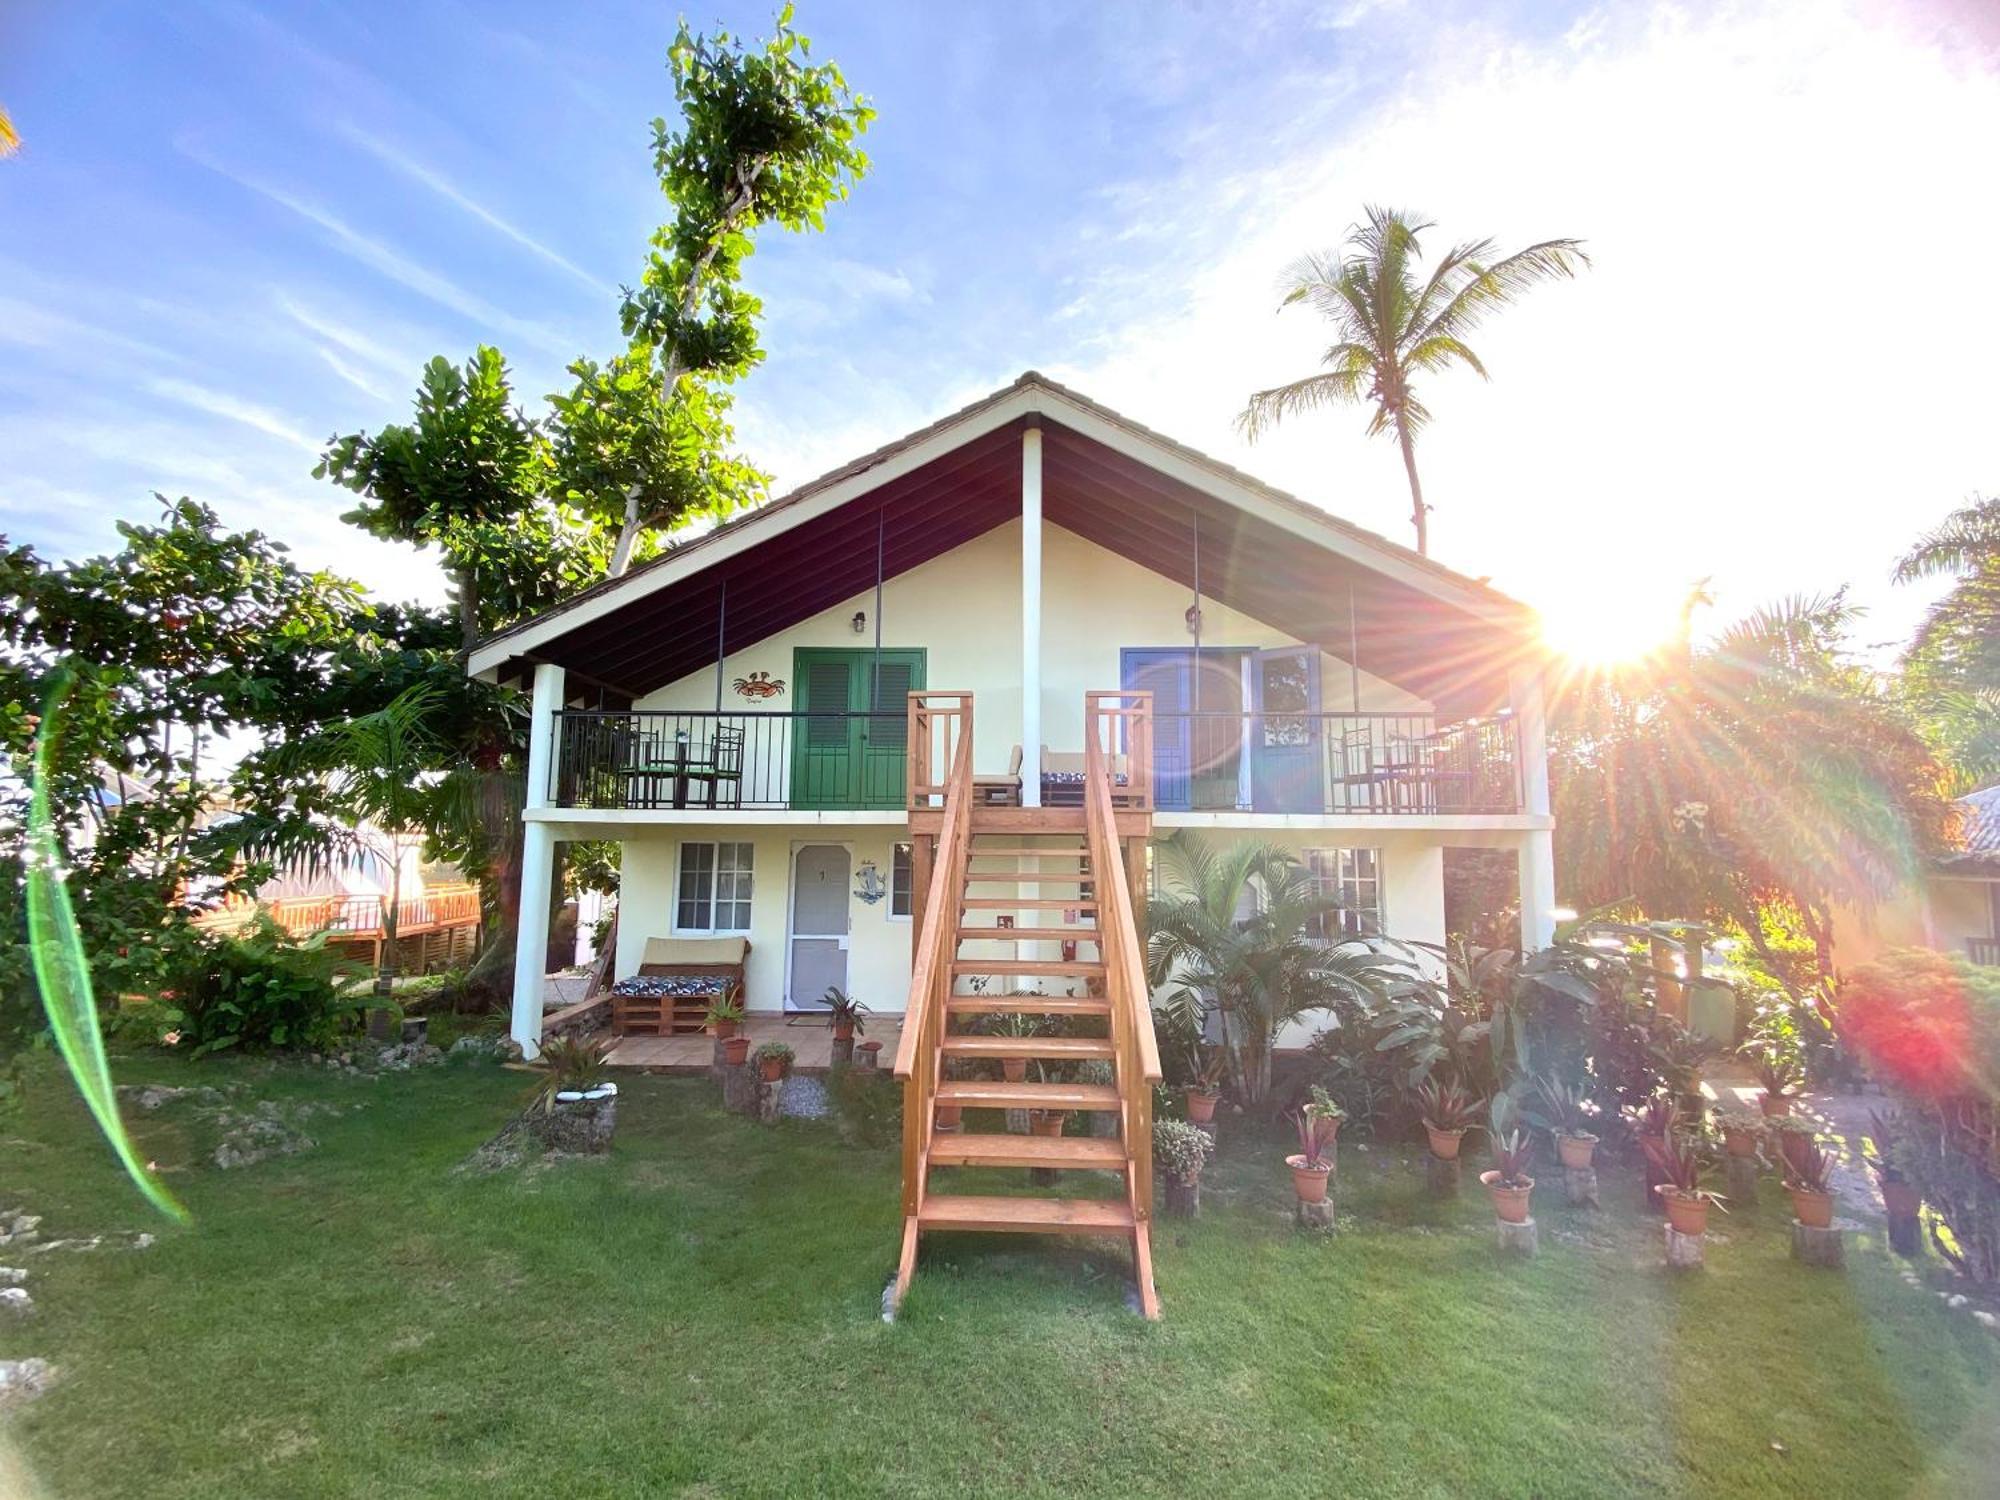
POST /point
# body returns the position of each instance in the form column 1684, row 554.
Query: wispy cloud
column 386, row 260
column 246, row 413
column 390, row 156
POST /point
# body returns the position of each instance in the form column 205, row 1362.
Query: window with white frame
column 901, row 877
column 1353, row 877
column 714, row 891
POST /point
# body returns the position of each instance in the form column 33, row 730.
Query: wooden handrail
column 348, row 916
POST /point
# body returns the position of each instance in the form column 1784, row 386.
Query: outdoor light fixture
column 1193, row 618
column 860, row 622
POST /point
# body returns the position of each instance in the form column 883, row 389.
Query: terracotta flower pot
column 1738, row 1141
column 1510, row 1203
column 1814, row 1210
column 1575, row 1151
column 736, row 1051
column 1308, row 1182
column 843, row 1031
column 724, row 1030
column 950, row 1116
column 1201, row 1107
column 1901, row 1200
column 771, row 1069
column 1014, row 1069
column 1444, row 1143
column 1047, row 1121
column 1687, row 1212
column 1775, row 1106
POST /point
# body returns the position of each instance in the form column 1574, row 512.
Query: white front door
column 818, row 956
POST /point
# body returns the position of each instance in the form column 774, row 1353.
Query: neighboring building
column 1332, row 690
column 1957, row 908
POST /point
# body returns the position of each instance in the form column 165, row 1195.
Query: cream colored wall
column 878, row 957
column 879, row 944
column 964, row 610
column 1960, row 909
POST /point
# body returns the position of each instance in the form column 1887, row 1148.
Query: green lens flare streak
column 63, row 974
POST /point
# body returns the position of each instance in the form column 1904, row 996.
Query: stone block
column 1818, row 1247
column 1522, row 1239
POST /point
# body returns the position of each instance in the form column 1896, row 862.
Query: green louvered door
column 849, row 745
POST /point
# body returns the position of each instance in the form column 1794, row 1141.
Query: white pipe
column 538, row 858
column 1031, row 618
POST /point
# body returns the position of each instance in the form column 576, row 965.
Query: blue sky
column 236, row 229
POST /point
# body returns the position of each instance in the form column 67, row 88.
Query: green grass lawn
column 701, row 1314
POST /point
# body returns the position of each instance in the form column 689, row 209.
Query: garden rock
column 15, row 1300
column 480, row 1048
column 263, row 1133
column 18, row 1228
column 12, row 1275
column 24, row 1379
column 152, row 1096
column 407, row 1055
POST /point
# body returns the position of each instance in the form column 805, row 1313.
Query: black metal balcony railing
column 1328, row 764
column 1331, row 763
column 754, row 761
column 1983, row 950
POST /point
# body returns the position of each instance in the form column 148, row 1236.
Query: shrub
column 1180, row 1150
column 255, row 990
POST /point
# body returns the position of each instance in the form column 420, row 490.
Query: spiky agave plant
column 1448, row 1106
column 1512, row 1146
column 1318, row 1125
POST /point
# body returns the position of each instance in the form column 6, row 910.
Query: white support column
column 538, row 858
column 1537, row 853
column 1031, row 617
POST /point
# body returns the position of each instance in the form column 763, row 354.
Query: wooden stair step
column 1024, row 903
column 1026, row 877
column 1015, row 851
column 1065, row 1047
column 1003, row 1095
column 1025, row 1215
column 1077, row 1152
column 1027, row 934
column 1026, row 1005
column 1075, row 968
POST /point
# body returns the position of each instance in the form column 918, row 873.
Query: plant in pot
column 1049, row 1122
column 1680, row 1162
column 736, row 1050
column 1887, row 1159
column 1448, row 1111
column 1808, row 1177
column 950, row 1116
column 1679, row 1055
column 773, row 1060
column 1558, row 1109
column 725, row 1016
column 846, row 1012
column 1020, row 1027
column 1508, row 1182
column 1779, row 1078
column 1318, row 1126
column 1205, row 1088
column 1742, row 1132
column 573, row 1070
column 1652, row 1122
column 1180, row 1150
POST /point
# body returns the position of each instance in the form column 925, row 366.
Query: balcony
column 1327, row 764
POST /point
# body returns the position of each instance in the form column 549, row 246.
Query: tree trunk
column 468, row 608
column 1418, row 510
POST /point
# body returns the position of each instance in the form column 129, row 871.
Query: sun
column 1608, row 625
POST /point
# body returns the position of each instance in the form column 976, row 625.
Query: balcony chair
column 1000, row 791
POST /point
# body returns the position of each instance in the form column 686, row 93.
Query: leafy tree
column 1236, row 933
column 1951, row 671
column 1392, row 324
column 1758, row 780
column 469, row 475
column 184, row 639
column 765, row 136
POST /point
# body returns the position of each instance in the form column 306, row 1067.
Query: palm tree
column 1951, row 671
column 10, row 138
column 1236, row 933
column 1392, row 326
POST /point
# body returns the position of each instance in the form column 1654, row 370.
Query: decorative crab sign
column 759, row 685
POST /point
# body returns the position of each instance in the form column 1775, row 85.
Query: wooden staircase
column 1003, row 1018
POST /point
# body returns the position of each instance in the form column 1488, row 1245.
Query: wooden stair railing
column 1077, row 852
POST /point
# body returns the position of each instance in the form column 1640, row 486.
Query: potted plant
column 1179, row 1152
column 1508, row 1182
column 1448, row 1111
column 1318, row 1125
column 736, row 1050
column 575, row 1103
column 1651, row 1123
column 1779, row 1077
column 1900, row 1197
column 846, row 1012
column 1741, row 1131
column 1206, row 1088
column 774, row 1061
column 725, row 1015
column 1808, row 1178
column 1020, row 1027
column 1558, row 1109
column 1047, row 1121
column 1677, row 1157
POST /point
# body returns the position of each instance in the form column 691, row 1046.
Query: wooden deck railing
column 1107, row 724
column 344, row 916
column 918, row 1050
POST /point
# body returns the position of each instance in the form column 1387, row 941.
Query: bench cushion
column 710, row 950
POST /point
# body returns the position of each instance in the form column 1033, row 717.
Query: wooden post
column 1183, row 1199
column 1580, row 1186
column 1683, row 1250
column 1522, row 1239
column 1313, row 1215
column 1441, row 1176
column 1906, row 1235
column 922, row 851
column 1742, row 1182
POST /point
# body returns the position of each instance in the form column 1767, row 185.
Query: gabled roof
column 1979, row 823
column 1105, row 476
